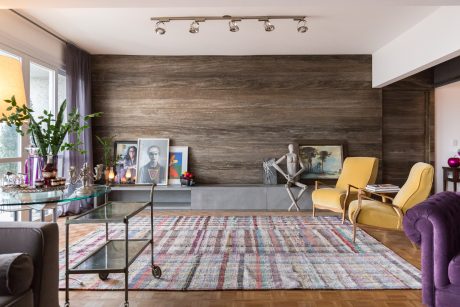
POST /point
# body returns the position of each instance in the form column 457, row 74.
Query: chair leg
column 343, row 217
column 313, row 210
column 354, row 232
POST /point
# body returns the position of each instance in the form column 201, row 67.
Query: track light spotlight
column 302, row 26
column 268, row 26
column 194, row 27
column 159, row 28
column 233, row 26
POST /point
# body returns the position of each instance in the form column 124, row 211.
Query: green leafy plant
column 106, row 149
column 48, row 132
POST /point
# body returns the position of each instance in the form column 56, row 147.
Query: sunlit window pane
column 10, row 142
column 41, row 89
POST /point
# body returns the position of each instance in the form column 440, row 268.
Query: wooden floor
column 285, row 298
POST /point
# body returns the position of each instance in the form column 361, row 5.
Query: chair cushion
column 374, row 213
column 329, row 197
column 454, row 270
column 16, row 273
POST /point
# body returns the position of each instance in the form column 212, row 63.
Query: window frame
column 26, row 61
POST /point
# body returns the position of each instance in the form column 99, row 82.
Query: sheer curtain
column 78, row 71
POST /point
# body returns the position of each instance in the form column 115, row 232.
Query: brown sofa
column 41, row 241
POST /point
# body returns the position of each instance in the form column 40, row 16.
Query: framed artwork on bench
column 152, row 157
column 321, row 160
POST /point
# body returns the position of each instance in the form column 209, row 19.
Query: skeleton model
column 292, row 160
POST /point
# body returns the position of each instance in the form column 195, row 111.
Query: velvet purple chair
column 435, row 225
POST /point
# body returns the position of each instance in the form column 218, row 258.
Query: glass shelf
column 40, row 198
column 111, row 257
column 113, row 212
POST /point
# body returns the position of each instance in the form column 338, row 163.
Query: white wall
column 447, row 127
column 432, row 41
column 19, row 36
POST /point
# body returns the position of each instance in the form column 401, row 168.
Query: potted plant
column 106, row 143
column 48, row 131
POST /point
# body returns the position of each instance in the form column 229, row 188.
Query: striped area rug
column 251, row 252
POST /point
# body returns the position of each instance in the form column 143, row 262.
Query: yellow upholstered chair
column 388, row 213
column 357, row 172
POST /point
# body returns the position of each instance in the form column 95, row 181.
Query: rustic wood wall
column 234, row 111
column 408, row 125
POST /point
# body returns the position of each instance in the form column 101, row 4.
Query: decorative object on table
column 49, row 171
column 33, row 167
column 292, row 174
column 187, row 179
column 39, row 187
column 153, row 156
column 178, row 163
column 125, row 157
column 453, row 162
column 321, row 160
column 85, row 176
column 269, row 171
column 48, row 131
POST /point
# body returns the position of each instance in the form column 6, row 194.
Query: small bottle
column 49, row 171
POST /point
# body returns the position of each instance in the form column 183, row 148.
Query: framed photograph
column 178, row 163
column 152, row 157
column 125, row 157
column 322, row 161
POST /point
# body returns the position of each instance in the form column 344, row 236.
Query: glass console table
column 26, row 201
column 115, row 255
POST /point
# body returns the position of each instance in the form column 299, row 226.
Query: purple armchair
column 435, row 225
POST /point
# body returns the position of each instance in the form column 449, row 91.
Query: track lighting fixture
column 233, row 26
column 194, row 27
column 268, row 26
column 232, row 22
column 302, row 26
column 159, row 28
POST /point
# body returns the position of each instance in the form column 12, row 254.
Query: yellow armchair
column 388, row 213
column 356, row 174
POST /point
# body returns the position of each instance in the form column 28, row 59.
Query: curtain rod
column 39, row 26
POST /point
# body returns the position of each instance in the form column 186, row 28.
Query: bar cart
column 116, row 255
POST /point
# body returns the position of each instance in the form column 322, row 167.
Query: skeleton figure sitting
column 292, row 162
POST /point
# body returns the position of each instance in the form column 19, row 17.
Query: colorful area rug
column 252, row 252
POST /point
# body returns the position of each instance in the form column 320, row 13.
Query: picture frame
column 178, row 163
column 153, row 161
column 125, row 157
column 322, row 160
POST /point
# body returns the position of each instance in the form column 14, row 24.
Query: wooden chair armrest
column 317, row 183
column 398, row 210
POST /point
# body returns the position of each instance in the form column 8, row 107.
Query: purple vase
column 33, row 167
column 454, row 162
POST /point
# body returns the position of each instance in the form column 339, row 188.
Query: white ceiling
column 102, row 27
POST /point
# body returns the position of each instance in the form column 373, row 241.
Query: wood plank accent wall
column 235, row 111
column 408, row 125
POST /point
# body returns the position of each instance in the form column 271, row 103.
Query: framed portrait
column 152, row 157
column 178, row 163
column 322, row 161
column 125, row 153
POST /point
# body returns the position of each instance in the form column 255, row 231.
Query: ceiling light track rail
column 160, row 28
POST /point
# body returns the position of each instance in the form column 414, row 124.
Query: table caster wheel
column 126, row 304
column 156, row 271
column 66, row 305
column 103, row 276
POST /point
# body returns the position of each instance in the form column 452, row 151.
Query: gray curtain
column 78, row 72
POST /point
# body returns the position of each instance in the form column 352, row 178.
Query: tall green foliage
column 48, row 132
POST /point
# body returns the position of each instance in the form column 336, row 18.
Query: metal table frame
column 103, row 273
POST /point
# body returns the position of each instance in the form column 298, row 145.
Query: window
column 46, row 86
column 10, row 142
